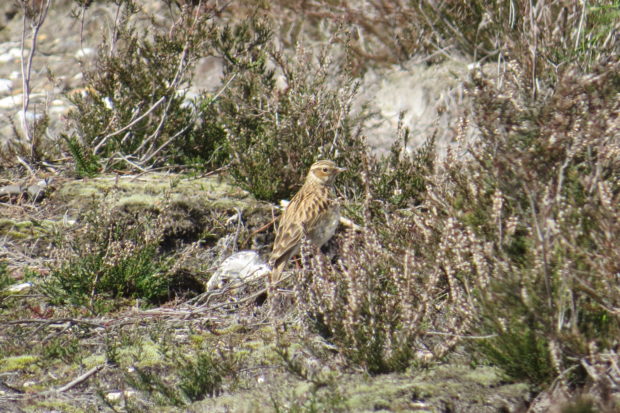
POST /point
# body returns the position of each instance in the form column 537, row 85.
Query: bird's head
column 323, row 172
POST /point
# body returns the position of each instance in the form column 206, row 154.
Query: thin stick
column 263, row 228
column 80, row 378
column 98, row 323
column 38, row 17
column 440, row 333
column 133, row 122
column 581, row 22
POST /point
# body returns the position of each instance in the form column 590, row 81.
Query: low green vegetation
column 114, row 256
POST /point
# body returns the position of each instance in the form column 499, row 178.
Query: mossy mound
column 154, row 189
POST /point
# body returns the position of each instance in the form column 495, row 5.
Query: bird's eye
column 325, row 170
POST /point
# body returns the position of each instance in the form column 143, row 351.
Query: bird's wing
column 301, row 215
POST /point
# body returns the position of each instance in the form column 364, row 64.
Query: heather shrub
column 381, row 297
column 185, row 378
column 111, row 257
column 548, row 33
column 399, row 179
column 276, row 113
column 542, row 193
column 512, row 242
column 135, row 112
column 280, row 118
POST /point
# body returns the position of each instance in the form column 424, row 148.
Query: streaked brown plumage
column 313, row 211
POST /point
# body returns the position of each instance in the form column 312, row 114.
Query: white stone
column 16, row 100
column 30, row 116
column 116, row 396
column 84, row 52
column 19, row 287
column 12, row 54
column 427, row 97
column 58, row 110
column 188, row 98
column 10, row 102
column 6, row 85
column 107, row 102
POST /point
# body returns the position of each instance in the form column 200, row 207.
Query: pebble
column 19, row 287
column 6, row 85
column 117, row 395
column 10, row 191
column 35, row 192
column 58, row 107
column 12, row 54
column 107, row 102
column 30, row 116
column 188, row 98
column 13, row 101
column 10, row 102
column 84, row 52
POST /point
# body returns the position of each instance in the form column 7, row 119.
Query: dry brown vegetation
column 502, row 253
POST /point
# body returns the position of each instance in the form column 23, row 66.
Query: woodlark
column 313, row 212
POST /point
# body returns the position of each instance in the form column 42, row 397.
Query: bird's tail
column 276, row 274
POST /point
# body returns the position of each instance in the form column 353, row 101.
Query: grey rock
column 6, row 85
column 10, row 191
column 36, row 192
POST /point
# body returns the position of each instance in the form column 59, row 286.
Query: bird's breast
column 326, row 226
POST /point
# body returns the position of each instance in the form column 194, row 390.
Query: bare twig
column 472, row 337
column 129, row 125
column 223, row 88
column 163, row 145
column 534, row 47
column 582, row 19
column 93, row 323
column 173, row 86
column 25, row 164
column 80, row 379
column 115, row 28
column 120, row 156
column 36, row 13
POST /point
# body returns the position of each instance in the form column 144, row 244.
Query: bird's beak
column 341, row 170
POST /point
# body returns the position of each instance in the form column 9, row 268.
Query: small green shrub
column 153, row 383
column 64, row 349
column 86, row 163
column 109, row 258
column 520, row 350
column 201, row 378
column 399, row 180
column 189, row 378
column 5, row 278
